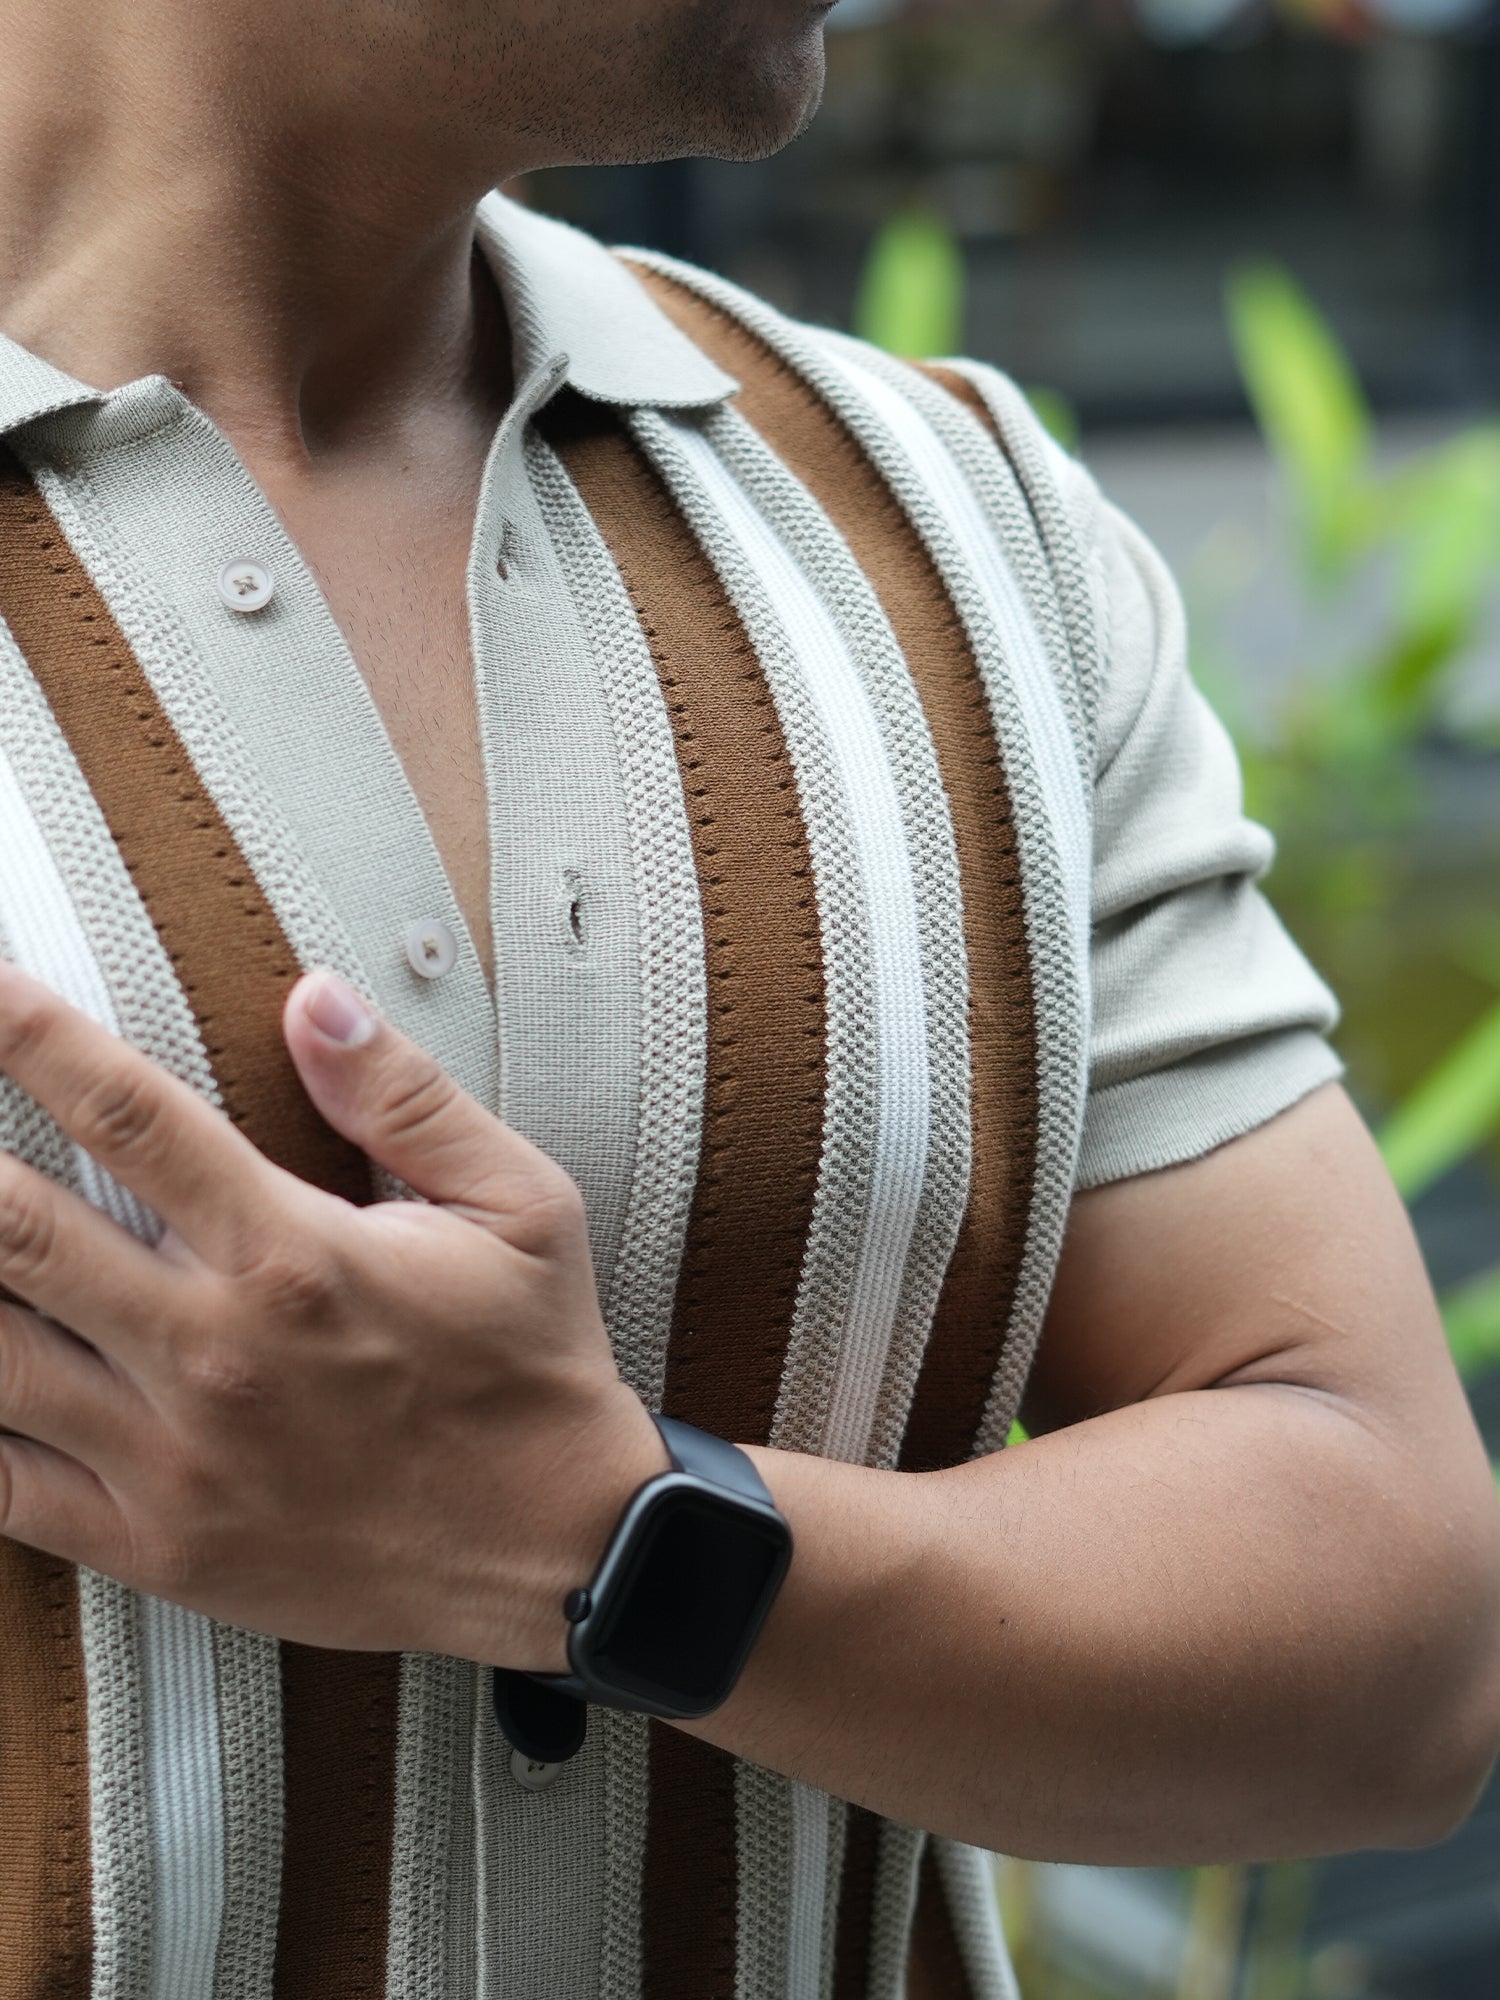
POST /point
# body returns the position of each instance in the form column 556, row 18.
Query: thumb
column 397, row 1104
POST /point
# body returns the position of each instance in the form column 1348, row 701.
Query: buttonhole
column 503, row 553
column 574, row 910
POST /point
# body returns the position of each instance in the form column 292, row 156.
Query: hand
column 395, row 1427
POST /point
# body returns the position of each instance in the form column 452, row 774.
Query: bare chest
column 394, row 578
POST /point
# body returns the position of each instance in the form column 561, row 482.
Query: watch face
column 680, row 1614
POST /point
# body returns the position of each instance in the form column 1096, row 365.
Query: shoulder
column 957, row 441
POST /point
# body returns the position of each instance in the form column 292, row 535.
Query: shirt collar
column 566, row 295
column 31, row 387
column 568, row 298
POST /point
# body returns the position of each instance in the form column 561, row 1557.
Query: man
column 700, row 740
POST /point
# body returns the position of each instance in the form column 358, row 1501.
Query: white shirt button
column 246, row 585
column 530, row 1775
column 431, row 948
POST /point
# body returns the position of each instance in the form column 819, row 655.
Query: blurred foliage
column 1451, row 1112
column 911, row 295
column 911, row 302
column 1423, row 537
column 1339, row 767
column 1336, row 768
column 1471, row 1314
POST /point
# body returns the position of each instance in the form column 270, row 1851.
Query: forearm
column 1215, row 1625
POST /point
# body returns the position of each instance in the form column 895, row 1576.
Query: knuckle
column 420, row 1101
column 15, row 1374
column 26, row 1024
column 119, row 1116
column 227, row 1374
column 293, row 1281
column 547, row 1213
column 28, row 1230
column 168, row 1564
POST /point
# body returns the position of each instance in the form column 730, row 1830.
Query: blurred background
column 1245, row 254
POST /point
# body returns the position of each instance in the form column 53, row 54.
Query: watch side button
column 576, row 1606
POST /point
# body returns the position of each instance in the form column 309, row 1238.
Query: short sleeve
column 1208, row 1019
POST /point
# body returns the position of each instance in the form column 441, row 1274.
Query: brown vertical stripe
column 856, row 1917
column 964, row 1347
column 46, row 1928
column 691, row 1892
column 763, row 1107
column 936, row 1968
column 236, row 967
column 339, row 1724
column 216, row 926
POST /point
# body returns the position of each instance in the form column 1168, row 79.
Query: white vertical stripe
column 1050, row 734
column 807, row 1916
column 185, row 1801
column 184, row 1796
column 905, row 732
column 902, row 1109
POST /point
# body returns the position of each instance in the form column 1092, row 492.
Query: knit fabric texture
column 867, row 877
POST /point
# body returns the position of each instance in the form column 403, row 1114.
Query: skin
column 1241, row 1598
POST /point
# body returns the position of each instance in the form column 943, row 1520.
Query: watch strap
column 710, row 1458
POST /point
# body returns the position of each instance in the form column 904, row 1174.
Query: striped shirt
column 867, row 876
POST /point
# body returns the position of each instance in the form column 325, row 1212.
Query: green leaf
column 1454, row 1108
column 1471, row 1315
column 1443, row 513
column 911, row 295
column 1057, row 414
column 1446, row 510
column 1309, row 406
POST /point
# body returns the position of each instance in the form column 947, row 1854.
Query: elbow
column 1440, row 1740
column 1439, row 1788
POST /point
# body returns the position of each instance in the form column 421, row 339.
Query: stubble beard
column 707, row 81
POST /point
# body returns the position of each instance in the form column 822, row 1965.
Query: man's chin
column 758, row 115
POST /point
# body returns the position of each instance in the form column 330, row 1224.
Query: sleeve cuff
column 1148, row 1122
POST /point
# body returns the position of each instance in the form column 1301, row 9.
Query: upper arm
column 1284, row 1256
column 1233, row 1214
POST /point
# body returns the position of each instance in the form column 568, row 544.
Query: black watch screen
column 681, row 1612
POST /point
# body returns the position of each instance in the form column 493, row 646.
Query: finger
column 403, row 1109
column 153, row 1134
column 75, row 1264
column 53, row 1503
column 56, row 1390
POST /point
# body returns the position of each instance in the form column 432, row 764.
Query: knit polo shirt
column 867, row 877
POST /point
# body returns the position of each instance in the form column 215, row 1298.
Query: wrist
column 598, row 1460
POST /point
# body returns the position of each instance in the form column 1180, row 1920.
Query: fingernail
column 338, row 1013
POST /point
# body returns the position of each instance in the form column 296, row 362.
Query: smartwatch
column 668, row 1620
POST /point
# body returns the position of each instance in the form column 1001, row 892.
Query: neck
column 242, row 218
